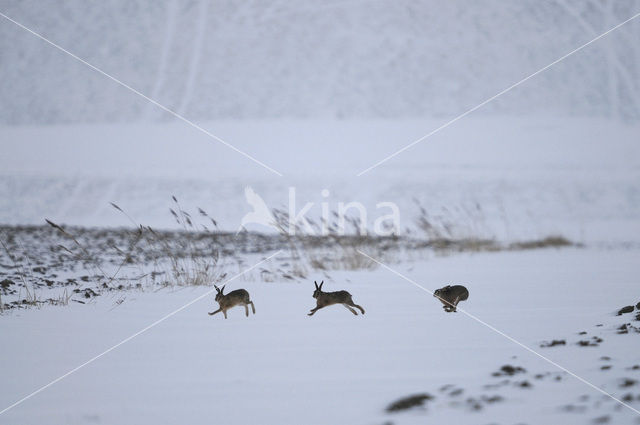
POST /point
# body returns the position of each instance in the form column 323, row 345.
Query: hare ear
column 321, row 283
column 222, row 290
column 217, row 289
column 315, row 283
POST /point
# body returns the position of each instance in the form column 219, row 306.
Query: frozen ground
column 283, row 367
column 505, row 177
column 508, row 178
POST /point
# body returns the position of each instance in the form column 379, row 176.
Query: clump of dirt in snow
column 409, row 402
column 593, row 342
column 626, row 309
column 553, row 343
column 508, row 370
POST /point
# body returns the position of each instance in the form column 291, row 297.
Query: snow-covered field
column 111, row 327
column 283, row 367
column 504, row 178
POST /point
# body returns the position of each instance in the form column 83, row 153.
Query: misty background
column 334, row 59
column 320, row 91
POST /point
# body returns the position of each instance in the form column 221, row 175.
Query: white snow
column 529, row 177
column 281, row 366
column 321, row 94
column 338, row 59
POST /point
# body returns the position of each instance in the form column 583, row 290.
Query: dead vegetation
column 91, row 261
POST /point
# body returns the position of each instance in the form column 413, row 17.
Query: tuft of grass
column 87, row 256
column 31, row 297
column 62, row 299
column 185, row 262
column 21, row 270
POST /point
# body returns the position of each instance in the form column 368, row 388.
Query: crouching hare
column 325, row 299
column 232, row 299
column 450, row 296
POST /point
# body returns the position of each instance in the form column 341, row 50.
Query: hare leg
column 253, row 307
column 214, row 312
column 350, row 309
column 357, row 306
column 455, row 304
column 313, row 310
column 225, row 313
column 246, row 310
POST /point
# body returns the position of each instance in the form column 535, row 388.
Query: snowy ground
column 281, row 366
column 529, row 177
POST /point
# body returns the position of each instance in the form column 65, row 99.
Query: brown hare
column 450, row 296
column 232, row 299
column 324, row 299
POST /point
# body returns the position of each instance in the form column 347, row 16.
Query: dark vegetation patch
column 86, row 292
column 628, row 397
column 626, row 309
column 627, row 382
column 523, row 384
column 626, row 328
column 508, row 370
column 409, row 402
column 593, row 342
column 553, row 343
column 554, row 376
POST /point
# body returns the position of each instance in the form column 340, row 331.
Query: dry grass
column 199, row 253
column 186, row 265
column 548, row 242
column 87, row 256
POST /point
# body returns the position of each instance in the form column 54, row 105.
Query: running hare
column 232, row 299
column 450, row 296
column 324, row 299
